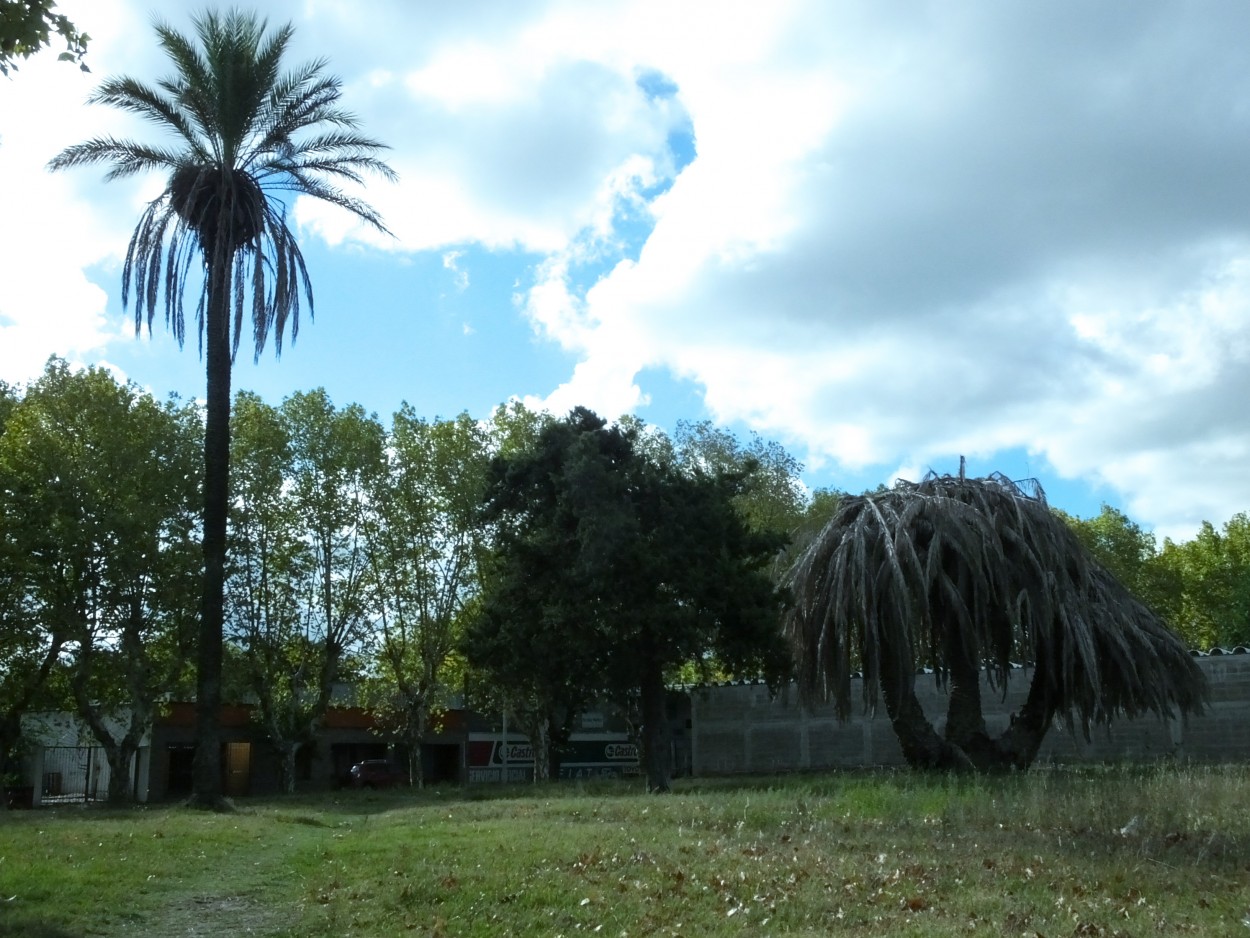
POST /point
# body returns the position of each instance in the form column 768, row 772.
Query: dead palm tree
column 243, row 132
column 965, row 576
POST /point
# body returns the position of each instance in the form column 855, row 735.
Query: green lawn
column 1054, row 852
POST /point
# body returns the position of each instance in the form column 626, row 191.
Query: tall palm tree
column 964, row 576
column 242, row 132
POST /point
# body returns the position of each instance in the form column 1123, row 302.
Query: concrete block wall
column 739, row 728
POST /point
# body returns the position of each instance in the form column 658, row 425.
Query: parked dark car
column 376, row 773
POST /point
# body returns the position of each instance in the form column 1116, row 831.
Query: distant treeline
column 358, row 552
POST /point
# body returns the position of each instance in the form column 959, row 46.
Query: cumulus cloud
column 48, row 238
column 897, row 234
column 985, row 228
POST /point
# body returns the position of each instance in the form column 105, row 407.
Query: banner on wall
column 490, row 756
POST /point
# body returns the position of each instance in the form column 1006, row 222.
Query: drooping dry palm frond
column 967, row 575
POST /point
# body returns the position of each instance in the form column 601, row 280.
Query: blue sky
column 883, row 234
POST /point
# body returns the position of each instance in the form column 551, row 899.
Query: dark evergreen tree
column 614, row 567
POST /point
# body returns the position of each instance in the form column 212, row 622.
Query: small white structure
column 65, row 764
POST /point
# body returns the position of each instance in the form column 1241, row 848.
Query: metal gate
column 74, row 774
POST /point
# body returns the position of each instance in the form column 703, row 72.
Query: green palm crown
column 244, row 131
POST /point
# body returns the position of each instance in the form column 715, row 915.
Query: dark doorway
column 181, row 769
column 440, row 763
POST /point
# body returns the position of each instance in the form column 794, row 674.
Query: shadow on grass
column 25, row 928
column 351, row 803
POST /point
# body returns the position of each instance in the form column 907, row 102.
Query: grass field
column 1154, row 851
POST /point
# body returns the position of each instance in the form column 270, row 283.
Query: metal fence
column 73, row 774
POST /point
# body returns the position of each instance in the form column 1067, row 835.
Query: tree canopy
column 578, row 558
column 966, row 576
column 98, row 495
column 424, row 543
column 613, row 566
column 297, row 597
column 27, row 26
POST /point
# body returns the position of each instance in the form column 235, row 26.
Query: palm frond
column 126, row 157
column 894, row 575
column 245, row 130
column 128, row 94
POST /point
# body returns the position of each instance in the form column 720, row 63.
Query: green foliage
column 770, row 497
column 1201, row 586
column 1127, row 851
column 424, row 541
column 298, row 602
column 614, row 566
column 1127, row 550
column 533, row 638
column 27, row 26
column 1213, row 570
column 98, row 490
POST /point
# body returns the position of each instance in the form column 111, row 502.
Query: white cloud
column 909, row 243
column 908, row 233
column 50, row 238
column 460, row 277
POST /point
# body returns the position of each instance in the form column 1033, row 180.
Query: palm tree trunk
column 965, row 722
column 207, row 770
column 922, row 747
column 1021, row 741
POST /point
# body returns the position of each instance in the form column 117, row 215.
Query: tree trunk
column 120, row 755
column 540, row 744
column 416, row 775
column 118, row 752
column 965, row 722
column 207, row 769
column 656, row 751
column 555, row 754
column 288, row 751
column 415, row 738
column 10, row 733
column 1021, row 740
column 922, row 747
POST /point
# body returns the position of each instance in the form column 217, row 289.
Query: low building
column 63, row 763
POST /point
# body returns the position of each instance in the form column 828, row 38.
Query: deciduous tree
column 771, row 496
column 1213, row 573
column 27, row 26
column 299, row 605
column 424, row 542
column 615, row 566
column 101, row 494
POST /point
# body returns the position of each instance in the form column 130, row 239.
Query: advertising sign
column 581, row 758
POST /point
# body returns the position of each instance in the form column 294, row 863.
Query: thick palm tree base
column 966, row 746
column 924, row 748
